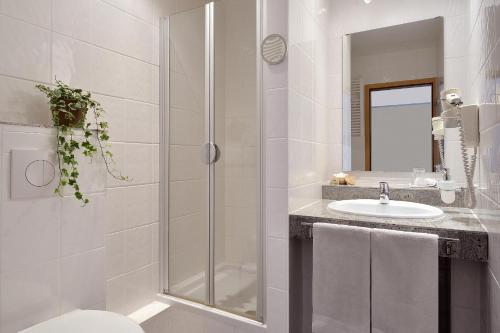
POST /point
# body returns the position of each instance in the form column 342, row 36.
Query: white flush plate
column 33, row 173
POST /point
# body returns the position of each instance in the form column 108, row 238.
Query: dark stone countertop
column 425, row 195
column 461, row 235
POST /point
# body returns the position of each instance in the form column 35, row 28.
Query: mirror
column 391, row 80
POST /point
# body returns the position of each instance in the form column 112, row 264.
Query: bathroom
column 218, row 134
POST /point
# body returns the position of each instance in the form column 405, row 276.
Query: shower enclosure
column 211, row 156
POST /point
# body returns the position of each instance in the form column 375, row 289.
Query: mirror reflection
column 392, row 77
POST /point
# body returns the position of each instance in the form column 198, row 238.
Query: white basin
column 394, row 209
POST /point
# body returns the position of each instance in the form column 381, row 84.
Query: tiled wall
column 106, row 255
column 276, row 112
column 482, row 34
column 471, row 54
column 52, row 254
column 56, row 255
column 309, row 126
column 357, row 16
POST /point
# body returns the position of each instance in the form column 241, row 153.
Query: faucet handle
column 384, row 192
column 384, row 187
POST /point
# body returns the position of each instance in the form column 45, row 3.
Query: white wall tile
column 29, row 50
column 137, row 206
column 155, row 203
column 119, row 31
column 275, row 76
column 29, row 232
column 143, row 9
column 72, row 62
column 118, row 75
column 138, row 247
column 155, row 243
column 129, row 292
column 102, row 71
column 114, row 211
column 138, row 164
column 73, row 18
column 20, row 102
column 277, row 309
column 277, row 113
column 84, row 272
column 277, row 268
column 115, row 254
column 277, row 212
column 110, row 48
column 29, row 296
column 82, row 228
column 277, row 163
column 33, row 11
column 276, row 20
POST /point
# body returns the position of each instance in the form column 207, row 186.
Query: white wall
column 276, row 112
column 57, row 256
column 375, row 15
column 308, row 122
column 52, row 251
column 471, row 63
column 481, row 34
column 110, row 47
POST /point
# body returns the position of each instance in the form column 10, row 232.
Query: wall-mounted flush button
column 40, row 173
column 33, row 173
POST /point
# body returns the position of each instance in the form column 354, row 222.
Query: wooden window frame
column 368, row 88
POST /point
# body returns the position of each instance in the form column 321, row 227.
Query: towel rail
column 448, row 247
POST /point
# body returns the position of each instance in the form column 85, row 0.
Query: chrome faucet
column 384, row 192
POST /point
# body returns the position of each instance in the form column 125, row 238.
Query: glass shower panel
column 213, row 156
column 236, row 173
column 188, row 174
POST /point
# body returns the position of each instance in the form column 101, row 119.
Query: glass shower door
column 236, row 173
column 188, row 174
column 213, row 186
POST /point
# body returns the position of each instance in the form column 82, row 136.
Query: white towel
column 404, row 282
column 341, row 279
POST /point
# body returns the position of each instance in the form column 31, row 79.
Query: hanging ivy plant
column 69, row 107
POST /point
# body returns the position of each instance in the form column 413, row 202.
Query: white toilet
column 87, row 321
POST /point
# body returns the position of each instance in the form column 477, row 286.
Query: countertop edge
column 471, row 245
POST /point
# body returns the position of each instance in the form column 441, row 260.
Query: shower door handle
column 210, row 153
column 216, row 155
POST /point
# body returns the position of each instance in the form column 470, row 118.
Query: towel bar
column 448, row 247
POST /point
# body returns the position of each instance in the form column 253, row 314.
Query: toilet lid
column 87, row 321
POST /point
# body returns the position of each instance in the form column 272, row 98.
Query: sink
column 394, row 209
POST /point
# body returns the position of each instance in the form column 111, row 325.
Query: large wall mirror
column 391, row 82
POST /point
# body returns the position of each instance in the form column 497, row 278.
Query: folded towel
column 341, row 279
column 404, row 282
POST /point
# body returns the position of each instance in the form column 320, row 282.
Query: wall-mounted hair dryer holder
column 466, row 119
